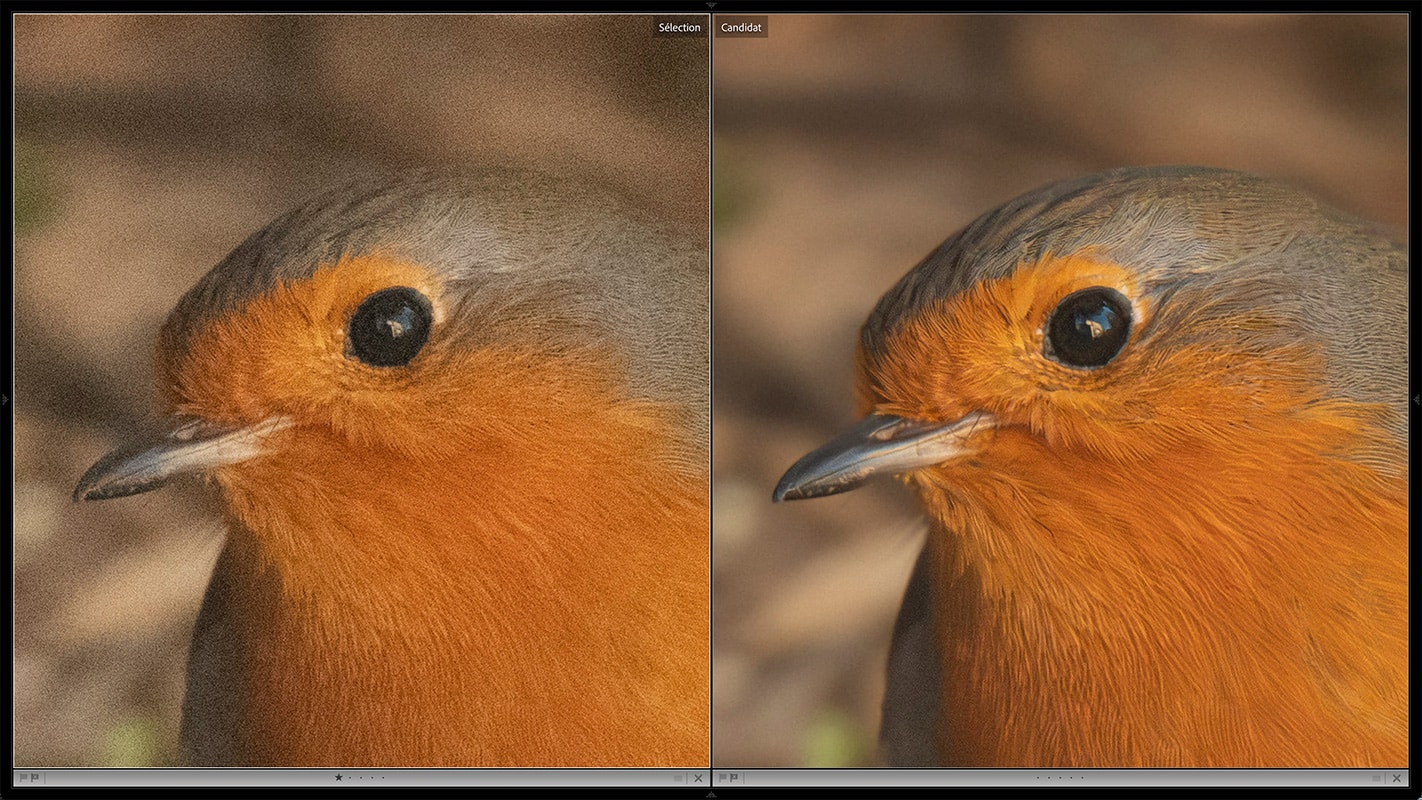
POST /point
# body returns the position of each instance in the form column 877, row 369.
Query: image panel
column 1121, row 303
column 362, row 391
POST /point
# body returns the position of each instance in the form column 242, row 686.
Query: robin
column 460, row 425
column 1156, row 419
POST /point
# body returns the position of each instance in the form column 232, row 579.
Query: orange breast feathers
column 489, row 557
column 1195, row 557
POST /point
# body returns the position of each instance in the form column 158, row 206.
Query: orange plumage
column 499, row 613
column 1261, row 542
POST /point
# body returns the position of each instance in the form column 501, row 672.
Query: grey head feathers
column 549, row 261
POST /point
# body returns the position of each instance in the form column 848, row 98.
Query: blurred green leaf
column 36, row 196
column 835, row 739
column 732, row 195
column 133, row 742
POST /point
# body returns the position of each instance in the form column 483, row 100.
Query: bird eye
column 1089, row 327
column 390, row 327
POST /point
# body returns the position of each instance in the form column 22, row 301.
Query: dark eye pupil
column 1089, row 327
column 390, row 327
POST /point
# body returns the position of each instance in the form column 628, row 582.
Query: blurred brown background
column 147, row 148
column 848, row 147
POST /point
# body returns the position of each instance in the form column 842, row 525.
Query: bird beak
column 880, row 444
column 194, row 445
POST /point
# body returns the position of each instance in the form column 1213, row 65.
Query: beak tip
column 88, row 487
column 89, row 490
column 793, row 485
column 797, row 484
column 104, row 481
column 110, row 490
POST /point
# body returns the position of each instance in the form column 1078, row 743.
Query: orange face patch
column 284, row 352
column 984, row 350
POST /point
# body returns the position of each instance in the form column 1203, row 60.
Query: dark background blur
column 147, row 147
column 846, row 148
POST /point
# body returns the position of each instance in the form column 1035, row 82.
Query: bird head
column 423, row 323
column 1160, row 339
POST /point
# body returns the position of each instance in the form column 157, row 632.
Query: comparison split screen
column 711, row 403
